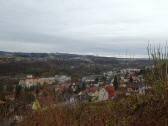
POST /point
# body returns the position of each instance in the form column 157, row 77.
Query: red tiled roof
column 111, row 91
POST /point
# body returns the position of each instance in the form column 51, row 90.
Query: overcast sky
column 99, row 27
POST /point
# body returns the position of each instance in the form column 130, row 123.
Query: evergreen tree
column 116, row 85
column 96, row 80
column 18, row 90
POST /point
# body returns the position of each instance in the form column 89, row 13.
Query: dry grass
column 126, row 111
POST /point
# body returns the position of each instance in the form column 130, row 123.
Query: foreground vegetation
column 146, row 110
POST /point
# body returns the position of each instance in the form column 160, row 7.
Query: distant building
column 129, row 70
column 62, row 78
column 28, row 82
column 111, row 91
column 31, row 81
column 110, row 73
column 29, row 76
column 50, row 80
column 92, row 78
column 103, row 95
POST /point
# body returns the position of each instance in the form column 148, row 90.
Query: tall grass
column 159, row 56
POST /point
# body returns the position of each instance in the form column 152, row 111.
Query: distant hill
column 63, row 56
column 58, row 56
column 47, row 64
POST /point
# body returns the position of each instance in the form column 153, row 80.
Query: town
column 34, row 82
column 34, row 93
column 88, row 88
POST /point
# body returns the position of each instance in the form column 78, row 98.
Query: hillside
column 42, row 63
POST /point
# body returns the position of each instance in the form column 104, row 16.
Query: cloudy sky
column 99, row 27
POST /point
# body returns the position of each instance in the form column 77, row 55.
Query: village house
column 129, row 71
column 89, row 79
column 30, row 81
column 111, row 91
column 110, row 75
column 92, row 79
column 50, row 80
column 62, row 78
column 102, row 93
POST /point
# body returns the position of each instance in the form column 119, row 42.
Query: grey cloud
column 98, row 27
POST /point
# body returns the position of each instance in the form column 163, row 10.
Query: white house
column 62, row 78
column 30, row 81
column 103, row 95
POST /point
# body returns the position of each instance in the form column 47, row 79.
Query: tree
column 115, row 83
column 82, row 86
column 1, row 87
column 96, row 80
column 18, row 90
column 104, row 79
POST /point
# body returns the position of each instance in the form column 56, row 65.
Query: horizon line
column 123, row 56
